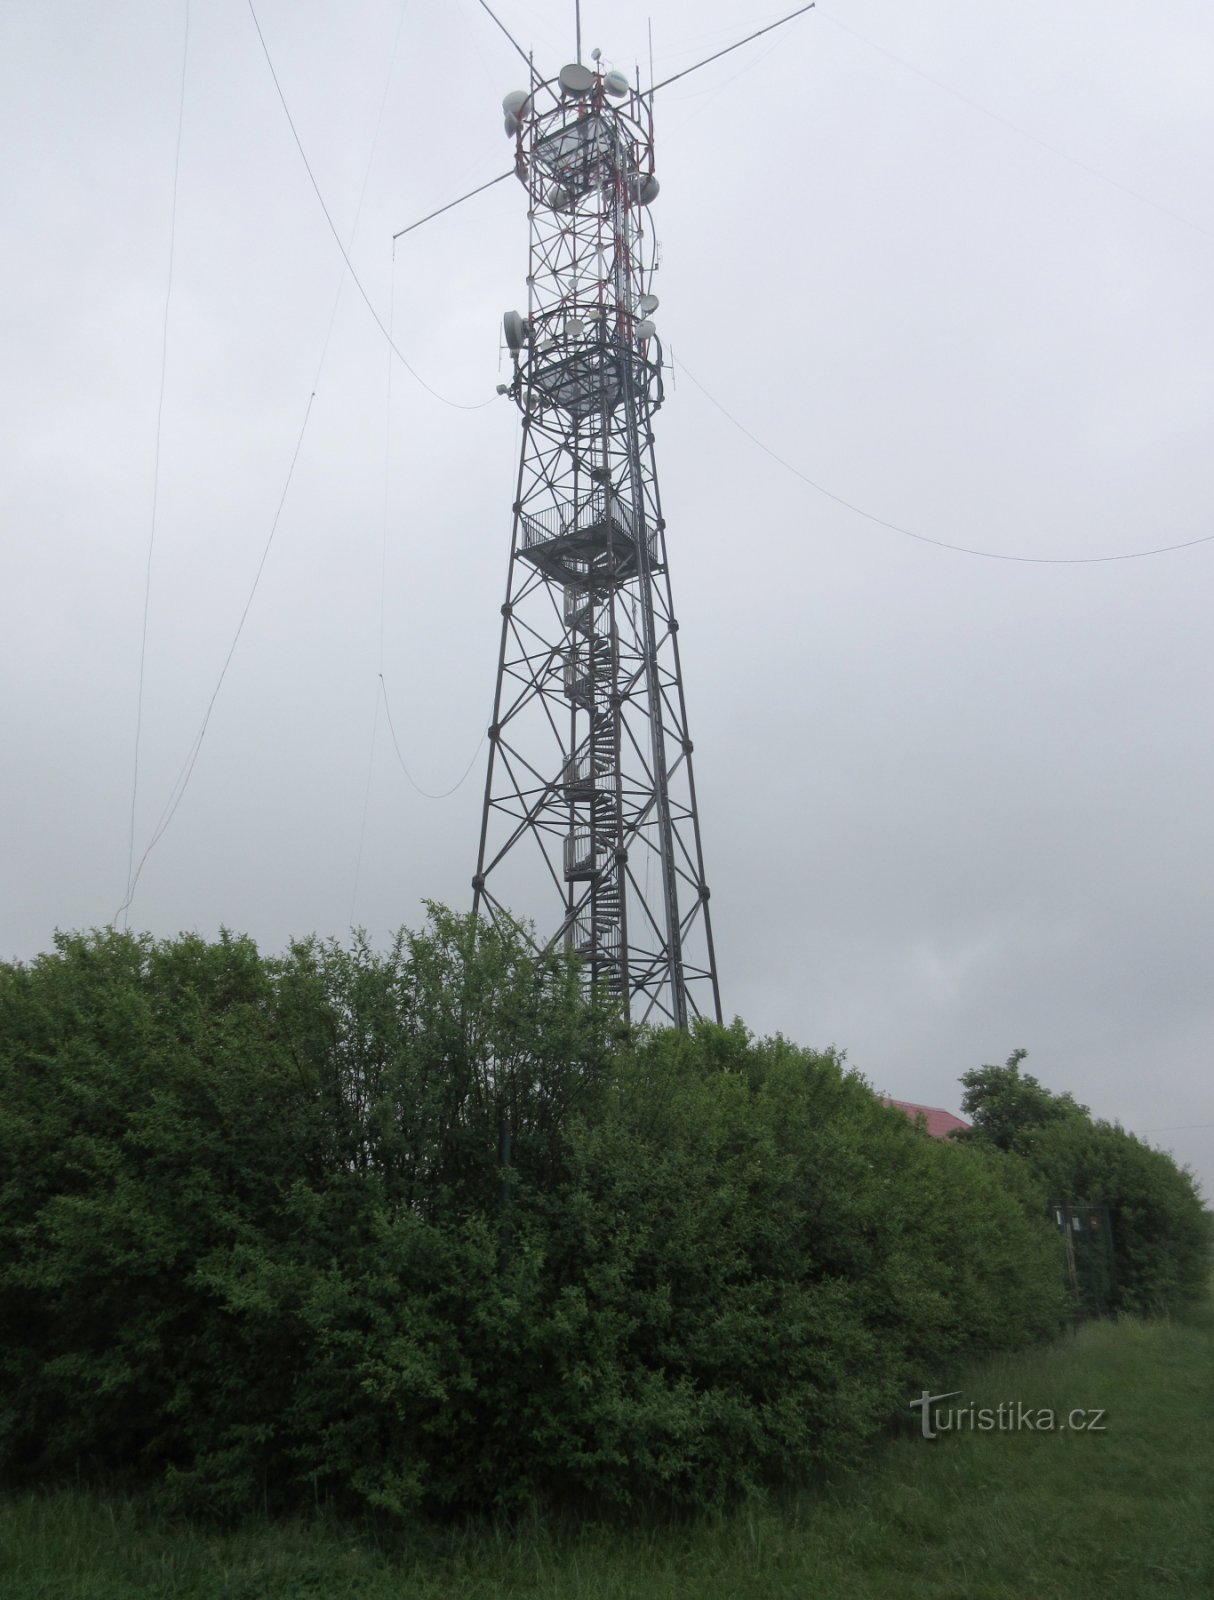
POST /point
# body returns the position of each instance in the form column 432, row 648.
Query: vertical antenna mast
column 589, row 823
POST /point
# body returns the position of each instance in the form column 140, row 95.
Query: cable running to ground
column 164, row 359
column 383, row 586
column 362, row 830
column 923, row 538
column 362, row 195
column 178, row 791
column 1006, row 122
column 457, row 405
column 187, row 771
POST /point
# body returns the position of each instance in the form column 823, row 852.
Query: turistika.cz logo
column 1010, row 1416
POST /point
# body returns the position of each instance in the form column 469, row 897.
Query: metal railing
column 579, row 608
column 583, row 858
column 587, row 521
column 586, row 773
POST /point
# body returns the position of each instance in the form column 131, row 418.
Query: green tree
column 1159, row 1227
column 1159, row 1232
column 1006, row 1106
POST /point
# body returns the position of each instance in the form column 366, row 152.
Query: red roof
column 939, row 1122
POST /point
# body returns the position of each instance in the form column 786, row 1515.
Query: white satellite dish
column 515, row 103
column 648, row 191
column 645, row 330
column 517, row 332
column 512, row 126
column 647, row 303
column 576, row 80
column 616, row 85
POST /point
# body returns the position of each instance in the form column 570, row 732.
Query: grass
column 1066, row 1515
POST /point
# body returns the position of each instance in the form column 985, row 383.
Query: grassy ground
column 1001, row 1515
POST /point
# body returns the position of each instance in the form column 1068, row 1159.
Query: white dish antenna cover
column 576, row 80
column 516, row 329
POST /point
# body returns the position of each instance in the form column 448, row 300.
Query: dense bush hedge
column 427, row 1230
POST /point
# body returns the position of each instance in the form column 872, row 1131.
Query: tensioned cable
column 362, row 830
column 183, row 778
column 382, row 689
column 383, row 531
column 512, row 39
column 1063, row 155
column 362, row 193
column 718, row 88
column 164, row 359
column 729, row 48
column 366, row 806
column 923, row 538
column 502, row 176
column 383, row 566
column 458, row 405
column 383, row 589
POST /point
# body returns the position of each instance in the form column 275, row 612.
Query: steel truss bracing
column 589, row 826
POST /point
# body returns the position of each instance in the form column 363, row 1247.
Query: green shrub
column 426, row 1229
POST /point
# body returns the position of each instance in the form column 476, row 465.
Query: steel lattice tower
column 589, row 824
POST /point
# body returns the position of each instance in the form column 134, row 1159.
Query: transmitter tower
column 589, row 826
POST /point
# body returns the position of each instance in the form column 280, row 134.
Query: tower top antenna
column 597, row 55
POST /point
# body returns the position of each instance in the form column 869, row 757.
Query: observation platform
column 587, row 543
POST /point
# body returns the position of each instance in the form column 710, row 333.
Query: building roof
column 940, row 1123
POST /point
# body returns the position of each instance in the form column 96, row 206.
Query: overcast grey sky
column 950, row 805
